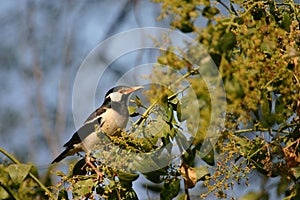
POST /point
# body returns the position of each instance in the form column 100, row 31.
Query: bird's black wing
column 87, row 128
column 75, row 139
column 78, row 136
column 96, row 115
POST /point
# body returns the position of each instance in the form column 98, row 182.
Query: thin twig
column 259, row 129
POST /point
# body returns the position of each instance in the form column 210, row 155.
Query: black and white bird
column 110, row 116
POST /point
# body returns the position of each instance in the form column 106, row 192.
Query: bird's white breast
column 111, row 120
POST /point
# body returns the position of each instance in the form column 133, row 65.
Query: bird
column 110, row 116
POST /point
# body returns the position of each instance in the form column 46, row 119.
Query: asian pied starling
column 112, row 115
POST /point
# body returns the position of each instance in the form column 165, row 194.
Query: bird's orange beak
column 132, row 89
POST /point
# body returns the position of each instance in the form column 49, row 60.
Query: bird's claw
column 99, row 175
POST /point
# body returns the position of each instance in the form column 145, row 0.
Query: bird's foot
column 99, row 174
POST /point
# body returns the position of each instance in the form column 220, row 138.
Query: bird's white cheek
column 115, row 96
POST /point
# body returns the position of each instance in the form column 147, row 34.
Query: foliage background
column 255, row 45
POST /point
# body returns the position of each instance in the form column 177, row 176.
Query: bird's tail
column 61, row 156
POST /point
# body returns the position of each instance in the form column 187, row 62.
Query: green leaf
column 63, row 194
column 286, row 21
column 167, row 144
column 3, row 174
column 138, row 101
column 34, row 170
column 3, row 193
column 167, row 114
column 132, row 111
column 178, row 112
column 170, row 189
column 268, row 46
column 189, row 156
column 12, row 194
column 182, row 140
column 280, row 110
column 282, row 186
column 162, row 60
column 152, row 187
column 258, row 13
column 184, row 109
column 148, row 162
column 227, row 42
column 172, row 132
column 184, row 25
column 210, row 158
column 79, row 168
column 156, row 176
column 18, row 172
column 126, row 176
column 269, row 118
column 147, row 144
column 84, row 187
column 296, row 172
column 158, row 128
column 233, row 88
column 174, row 100
column 129, row 193
column 181, row 196
column 201, row 172
column 210, row 12
column 60, row 173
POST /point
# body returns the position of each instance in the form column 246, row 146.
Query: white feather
column 115, row 96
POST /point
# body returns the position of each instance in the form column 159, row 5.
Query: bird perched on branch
column 110, row 116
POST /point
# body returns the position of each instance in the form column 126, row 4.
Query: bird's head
column 121, row 93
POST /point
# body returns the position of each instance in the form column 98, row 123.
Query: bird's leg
column 88, row 161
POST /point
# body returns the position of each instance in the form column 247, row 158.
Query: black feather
column 96, row 114
column 61, row 156
column 81, row 133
